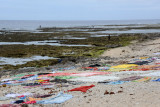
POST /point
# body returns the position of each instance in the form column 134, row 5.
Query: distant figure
column 109, row 37
column 40, row 26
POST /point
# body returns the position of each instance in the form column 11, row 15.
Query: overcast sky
column 79, row 9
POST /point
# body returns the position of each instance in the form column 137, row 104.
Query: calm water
column 32, row 25
column 17, row 61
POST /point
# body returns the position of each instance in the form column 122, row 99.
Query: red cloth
column 90, row 68
column 82, row 88
column 20, row 96
column 30, row 102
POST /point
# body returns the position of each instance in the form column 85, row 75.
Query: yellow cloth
column 118, row 69
column 143, row 57
column 39, row 80
column 123, row 66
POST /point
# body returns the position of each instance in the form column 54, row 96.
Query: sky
column 79, row 9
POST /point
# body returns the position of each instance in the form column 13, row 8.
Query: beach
column 143, row 93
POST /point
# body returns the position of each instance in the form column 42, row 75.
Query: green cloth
column 16, row 78
column 65, row 77
column 23, row 74
column 19, row 75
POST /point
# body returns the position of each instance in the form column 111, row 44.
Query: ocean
column 34, row 24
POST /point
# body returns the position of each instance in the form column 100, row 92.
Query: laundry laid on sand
column 49, row 81
column 133, row 80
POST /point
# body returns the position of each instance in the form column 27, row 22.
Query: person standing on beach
column 109, row 37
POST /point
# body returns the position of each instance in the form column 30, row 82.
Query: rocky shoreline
column 81, row 61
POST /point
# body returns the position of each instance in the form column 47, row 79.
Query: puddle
column 120, row 26
column 99, row 35
column 46, row 42
column 69, row 37
column 17, row 61
column 133, row 31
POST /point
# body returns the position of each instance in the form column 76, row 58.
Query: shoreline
column 124, row 52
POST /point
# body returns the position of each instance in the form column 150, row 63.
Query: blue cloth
column 22, row 98
column 60, row 98
column 157, row 80
column 117, row 82
column 22, row 80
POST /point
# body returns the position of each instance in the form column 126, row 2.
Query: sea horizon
column 34, row 24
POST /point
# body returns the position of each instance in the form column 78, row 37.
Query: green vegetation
column 99, row 45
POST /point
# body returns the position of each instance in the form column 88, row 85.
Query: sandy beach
column 105, row 93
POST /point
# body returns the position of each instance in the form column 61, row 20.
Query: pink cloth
column 30, row 102
column 75, row 74
column 10, row 105
column 90, row 74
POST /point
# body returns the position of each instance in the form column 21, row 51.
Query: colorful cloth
column 142, row 79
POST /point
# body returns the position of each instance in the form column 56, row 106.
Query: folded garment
column 82, row 88
column 60, row 98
